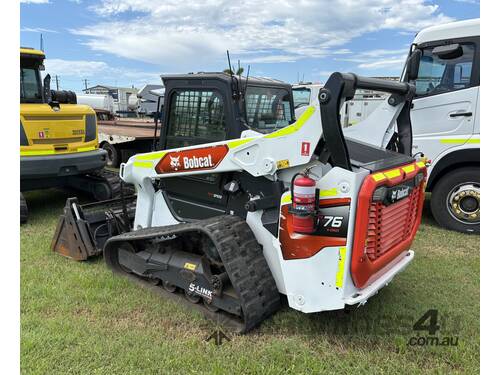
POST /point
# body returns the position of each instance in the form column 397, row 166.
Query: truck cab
column 446, row 121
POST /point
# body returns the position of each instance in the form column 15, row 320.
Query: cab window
column 439, row 75
column 301, row 96
column 267, row 108
column 196, row 117
column 30, row 85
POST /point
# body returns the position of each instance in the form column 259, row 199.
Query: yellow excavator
column 59, row 146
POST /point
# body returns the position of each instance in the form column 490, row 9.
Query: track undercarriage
column 216, row 264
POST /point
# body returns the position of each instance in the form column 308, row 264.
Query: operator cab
column 210, row 107
column 30, row 80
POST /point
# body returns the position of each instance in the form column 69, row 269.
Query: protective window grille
column 197, row 117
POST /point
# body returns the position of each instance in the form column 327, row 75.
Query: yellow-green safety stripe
column 339, row 279
column 143, row 164
column 290, row 129
column 287, row 198
column 459, row 140
column 151, row 156
column 83, row 149
column 37, row 152
column 239, row 142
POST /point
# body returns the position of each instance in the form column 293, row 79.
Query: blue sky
column 132, row 42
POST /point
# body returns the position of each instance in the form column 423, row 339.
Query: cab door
column 196, row 116
column 447, row 91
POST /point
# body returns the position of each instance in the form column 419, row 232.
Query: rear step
column 82, row 230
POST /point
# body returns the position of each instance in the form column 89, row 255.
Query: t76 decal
column 196, row 159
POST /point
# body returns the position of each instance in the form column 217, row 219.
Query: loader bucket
column 73, row 238
column 83, row 229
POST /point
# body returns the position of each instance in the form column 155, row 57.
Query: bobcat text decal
column 195, row 159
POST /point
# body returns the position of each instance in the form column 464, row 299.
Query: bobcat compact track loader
column 301, row 211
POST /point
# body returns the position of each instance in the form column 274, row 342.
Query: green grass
column 79, row 318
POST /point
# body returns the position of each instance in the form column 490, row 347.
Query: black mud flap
column 82, row 230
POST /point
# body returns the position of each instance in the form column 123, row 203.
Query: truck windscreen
column 268, row 108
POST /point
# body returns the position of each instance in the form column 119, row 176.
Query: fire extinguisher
column 305, row 203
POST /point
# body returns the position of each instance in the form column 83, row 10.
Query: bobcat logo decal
column 174, row 162
column 192, row 160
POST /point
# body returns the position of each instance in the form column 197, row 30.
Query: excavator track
column 113, row 181
column 101, row 184
column 248, row 298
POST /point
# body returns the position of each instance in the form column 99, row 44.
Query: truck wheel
column 114, row 156
column 24, row 210
column 455, row 200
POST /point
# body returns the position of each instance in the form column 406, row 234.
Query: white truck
column 96, row 101
column 445, row 121
column 352, row 112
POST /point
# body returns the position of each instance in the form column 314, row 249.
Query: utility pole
column 85, row 81
column 57, row 82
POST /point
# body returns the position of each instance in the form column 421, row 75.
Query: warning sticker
column 190, row 266
column 283, row 164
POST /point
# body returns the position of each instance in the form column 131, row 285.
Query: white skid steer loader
column 301, row 211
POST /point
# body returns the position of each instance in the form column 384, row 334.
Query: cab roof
column 27, row 51
column 257, row 81
column 452, row 30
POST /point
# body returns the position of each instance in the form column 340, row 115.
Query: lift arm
column 341, row 87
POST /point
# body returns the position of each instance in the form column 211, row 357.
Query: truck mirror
column 413, row 64
column 46, row 88
column 448, row 52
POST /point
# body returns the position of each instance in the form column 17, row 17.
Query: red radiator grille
column 390, row 225
column 384, row 232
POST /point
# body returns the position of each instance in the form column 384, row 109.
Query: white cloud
column 342, row 51
column 391, row 62
column 74, row 70
column 383, row 52
column 378, row 59
column 273, row 59
column 35, row 2
column 37, row 30
column 79, row 68
column 196, row 34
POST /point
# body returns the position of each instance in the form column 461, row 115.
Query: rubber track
column 114, row 182
column 242, row 257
